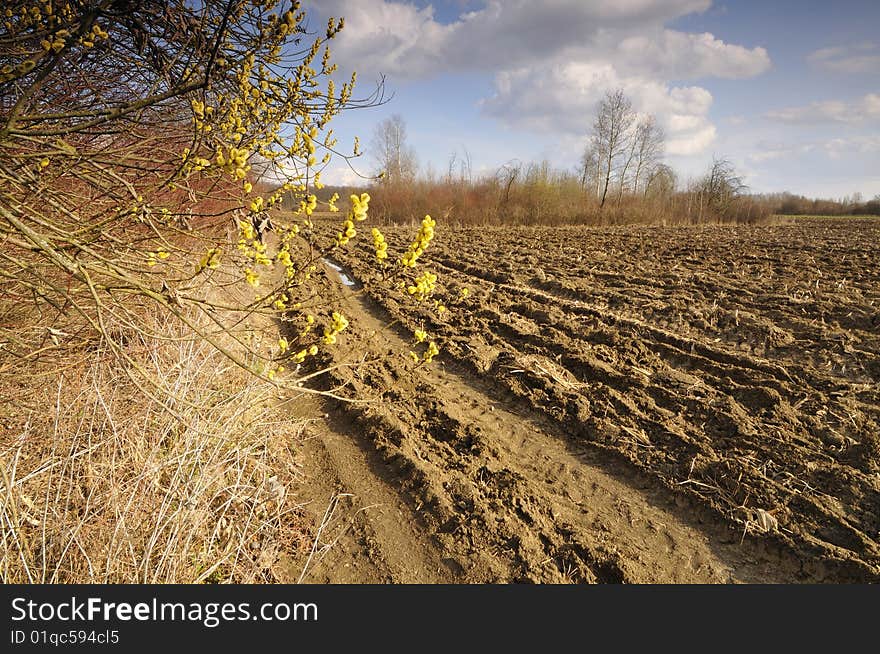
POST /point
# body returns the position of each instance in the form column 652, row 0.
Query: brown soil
column 629, row 405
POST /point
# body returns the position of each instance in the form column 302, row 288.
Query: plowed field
column 634, row 404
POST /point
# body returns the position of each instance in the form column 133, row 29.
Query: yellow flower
column 431, row 352
column 246, row 229
column 283, row 344
column 380, row 245
column 423, row 238
column 283, row 257
column 424, row 286
column 359, row 207
column 420, row 335
column 337, row 324
column 340, row 322
column 211, row 259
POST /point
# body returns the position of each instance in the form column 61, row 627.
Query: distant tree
column 394, row 157
column 650, row 142
column 506, row 177
column 644, row 150
column 610, row 138
column 720, row 187
column 660, row 181
column 589, row 171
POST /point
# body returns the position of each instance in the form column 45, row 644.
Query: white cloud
column 399, row 39
column 562, row 97
column 838, row 147
column 678, row 55
column 341, row 176
column 552, row 61
column 831, row 111
column 835, row 148
column 388, row 37
column 771, row 151
column 858, row 58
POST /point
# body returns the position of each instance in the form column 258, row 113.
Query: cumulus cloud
column 388, row 37
column 341, row 176
column 677, row 55
column 834, row 148
column 830, row 111
column 562, row 97
column 400, row 39
column 552, row 61
column 859, row 58
column 768, row 151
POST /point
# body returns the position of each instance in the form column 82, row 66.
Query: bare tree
column 589, row 171
column 660, row 181
column 720, row 187
column 466, row 166
column 610, row 137
column 650, row 141
column 644, row 148
column 395, row 158
column 506, row 177
column 450, row 168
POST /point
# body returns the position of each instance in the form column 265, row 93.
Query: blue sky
column 789, row 91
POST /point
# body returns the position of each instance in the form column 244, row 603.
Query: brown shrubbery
column 549, row 197
column 138, row 343
column 543, row 196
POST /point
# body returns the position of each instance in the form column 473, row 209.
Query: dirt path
column 365, row 531
column 441, row 478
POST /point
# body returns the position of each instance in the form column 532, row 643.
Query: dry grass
column 105, row 481
column 550, row 198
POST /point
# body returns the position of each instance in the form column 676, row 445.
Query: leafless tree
column 649, row 141
column 720, row 187
column 506, row 176
column 660, row 181
column 590, row 170
column 394, row 157
column 610, row 137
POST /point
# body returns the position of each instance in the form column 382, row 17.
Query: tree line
column 621, row 177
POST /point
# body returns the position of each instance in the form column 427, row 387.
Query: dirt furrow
column 496, row 492
column 686, row 410
column 364, row 531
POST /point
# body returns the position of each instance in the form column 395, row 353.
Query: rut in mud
column 660, row 413
column 468, row 489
